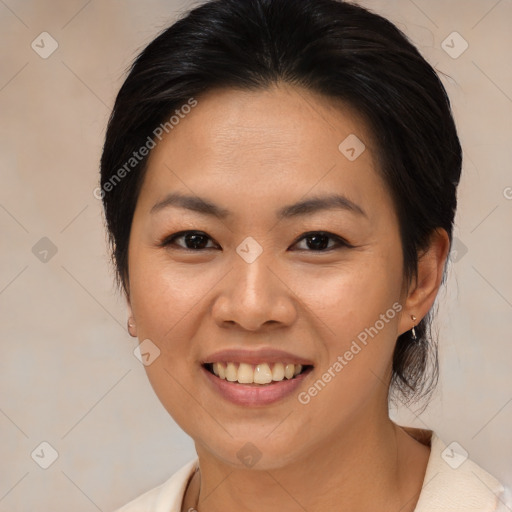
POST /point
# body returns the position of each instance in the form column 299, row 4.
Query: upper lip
column 263, row 355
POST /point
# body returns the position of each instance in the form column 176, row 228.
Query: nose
column 254, row 296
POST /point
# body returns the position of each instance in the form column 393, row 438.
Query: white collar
column 467, row 488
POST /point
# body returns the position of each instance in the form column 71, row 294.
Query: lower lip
column 255, row 395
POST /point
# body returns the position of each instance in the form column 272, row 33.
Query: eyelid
column 169, row 240
column 340, row 241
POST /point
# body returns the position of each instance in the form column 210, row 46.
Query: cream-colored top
column 447, row 486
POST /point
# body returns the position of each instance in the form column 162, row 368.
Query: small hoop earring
column 414, row 337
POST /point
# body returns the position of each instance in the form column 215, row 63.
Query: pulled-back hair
column 330, row 47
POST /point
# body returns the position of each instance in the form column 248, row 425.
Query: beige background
column 68, row 375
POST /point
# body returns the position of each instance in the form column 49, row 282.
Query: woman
column 279, row 182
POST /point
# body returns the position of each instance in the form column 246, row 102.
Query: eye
column 193, row 240
column 318, row 241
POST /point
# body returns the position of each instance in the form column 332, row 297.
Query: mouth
column 256, row 377
column 260, row 374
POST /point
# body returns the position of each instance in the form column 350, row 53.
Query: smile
column 259, row 374
column 254, row 384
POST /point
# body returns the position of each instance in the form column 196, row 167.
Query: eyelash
column 341, row 243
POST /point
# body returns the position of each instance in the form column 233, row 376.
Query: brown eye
column 192, row 240
column 318, row 241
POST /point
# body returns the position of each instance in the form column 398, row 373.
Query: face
column 293, row 257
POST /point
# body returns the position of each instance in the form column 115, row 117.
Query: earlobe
column 130, row 324
column 423, row 291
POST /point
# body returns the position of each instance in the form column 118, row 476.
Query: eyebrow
column 305, row 207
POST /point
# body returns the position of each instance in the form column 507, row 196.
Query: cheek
column 357, row 317
column 164, row 293
column 171, row 299
column 166, row 301
column 352, row 297
column 356, row 312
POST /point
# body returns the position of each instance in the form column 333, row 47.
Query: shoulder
column 453, row 482
column 166, row 497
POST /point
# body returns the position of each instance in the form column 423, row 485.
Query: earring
column 130, row 326
column 414, row 337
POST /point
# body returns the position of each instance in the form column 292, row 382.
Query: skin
column 252, row 152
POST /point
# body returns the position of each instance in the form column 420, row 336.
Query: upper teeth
column 262, row 373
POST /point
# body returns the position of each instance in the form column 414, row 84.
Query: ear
column 422, row 292
column 131, row 326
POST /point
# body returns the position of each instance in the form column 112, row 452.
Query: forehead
column 261, row 145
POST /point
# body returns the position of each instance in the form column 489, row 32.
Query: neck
column 377, row 467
